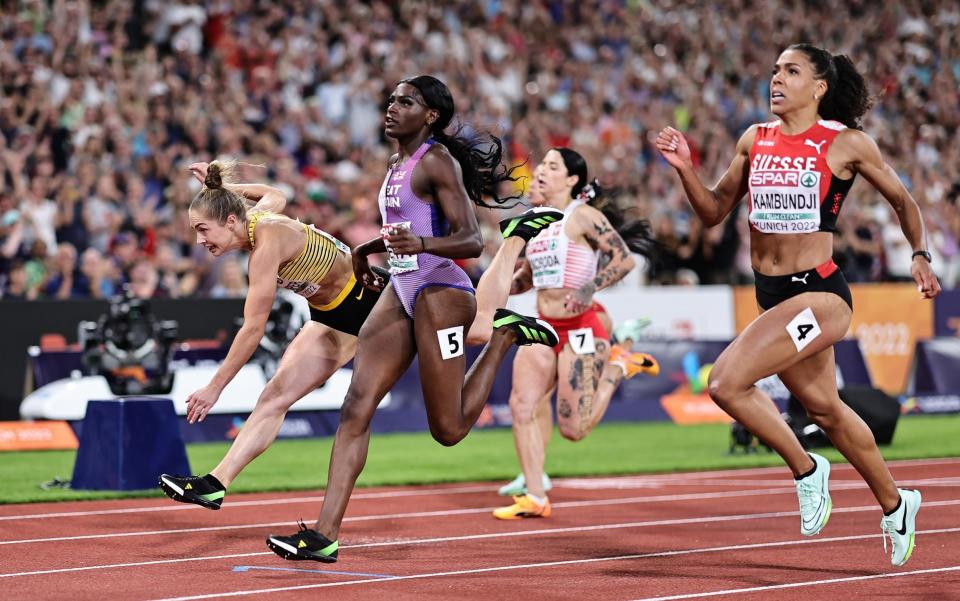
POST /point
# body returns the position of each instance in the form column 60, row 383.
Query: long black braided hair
column 479, row 153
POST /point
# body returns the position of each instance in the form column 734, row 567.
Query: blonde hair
column 216, row 201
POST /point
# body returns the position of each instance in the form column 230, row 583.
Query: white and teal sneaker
column 518, row 486
column 631, row 329
column 901, row 526
column 814, row 494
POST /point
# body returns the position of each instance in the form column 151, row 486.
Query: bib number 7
column 581, row 341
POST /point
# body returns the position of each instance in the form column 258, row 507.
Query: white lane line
column 853, row 482
column 455, row 512
column 773, row 470
column 423, row 514
column 677, row 478
column 522, row 533
column 548, row 564
column 276, row 501
column 805, row 583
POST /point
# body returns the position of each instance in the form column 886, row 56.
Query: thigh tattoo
column 582, row 381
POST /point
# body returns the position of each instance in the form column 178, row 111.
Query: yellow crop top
column 304, row 273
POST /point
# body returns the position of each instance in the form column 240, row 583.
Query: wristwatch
column 921, row 253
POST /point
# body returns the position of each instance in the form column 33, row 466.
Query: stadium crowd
column 104, row 104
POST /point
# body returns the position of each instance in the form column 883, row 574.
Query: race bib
column 803, row 329
column 545, row 254
column 451, row 342
column 398, row 263
column 581, row 341
column 785, row 202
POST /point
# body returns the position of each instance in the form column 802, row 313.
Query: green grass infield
column 614, row 448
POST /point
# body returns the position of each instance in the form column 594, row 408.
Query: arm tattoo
column 601, row 229
column 607, row 272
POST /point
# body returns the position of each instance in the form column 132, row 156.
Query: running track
column 708, row 535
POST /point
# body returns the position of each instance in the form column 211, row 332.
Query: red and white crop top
column 792, row 190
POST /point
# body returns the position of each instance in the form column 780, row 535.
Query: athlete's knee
column 572, row 432
column 448, row 436
column 722, row 388
column 356, row 413
column 828, row 416
column 274, row 399
column 522, row 410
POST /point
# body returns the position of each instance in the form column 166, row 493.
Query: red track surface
column 716, row 535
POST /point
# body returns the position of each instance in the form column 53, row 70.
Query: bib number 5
column 451, row 342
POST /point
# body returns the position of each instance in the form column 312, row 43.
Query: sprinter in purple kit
column 429, row 303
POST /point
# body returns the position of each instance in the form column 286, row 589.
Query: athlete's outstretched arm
column 361, row 266
column 867, row 160
column 711, row 205
column 615, row 259
column 264, row 264
column 267, row 197
column 445, row 179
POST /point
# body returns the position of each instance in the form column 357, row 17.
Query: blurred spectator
column 145, row 281
column 63, row 280
column 17, row 287
column 232, row 282
column 103, row 104
column 94, row 272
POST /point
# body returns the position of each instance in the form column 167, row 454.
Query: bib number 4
column 803, row 329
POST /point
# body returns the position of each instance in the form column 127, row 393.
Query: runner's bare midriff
column 335, row 280
column 780, row 254
column 550, row 303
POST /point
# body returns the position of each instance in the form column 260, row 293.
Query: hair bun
column 213, row 179
column 591, row 191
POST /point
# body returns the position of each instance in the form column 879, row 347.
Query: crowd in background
column 104, row 104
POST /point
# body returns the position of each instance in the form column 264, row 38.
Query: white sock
column 538, row 500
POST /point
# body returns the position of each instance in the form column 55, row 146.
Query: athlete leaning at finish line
column 287, row 254
column 796, row 172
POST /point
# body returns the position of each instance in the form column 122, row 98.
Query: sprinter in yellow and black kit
column 284, row 253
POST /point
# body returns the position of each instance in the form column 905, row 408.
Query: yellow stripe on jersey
column 315, row 259
column 340, row 297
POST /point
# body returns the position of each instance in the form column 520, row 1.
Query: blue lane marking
column 248, row 568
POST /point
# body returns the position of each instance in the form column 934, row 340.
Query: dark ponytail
column 479, row 153
column 216, row 201
column 847, row 98
column 637, row 234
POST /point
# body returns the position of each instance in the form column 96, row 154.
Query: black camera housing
column 129, row 347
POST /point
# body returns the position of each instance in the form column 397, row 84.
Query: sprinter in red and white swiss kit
column 798, row 171
column 792, row 190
